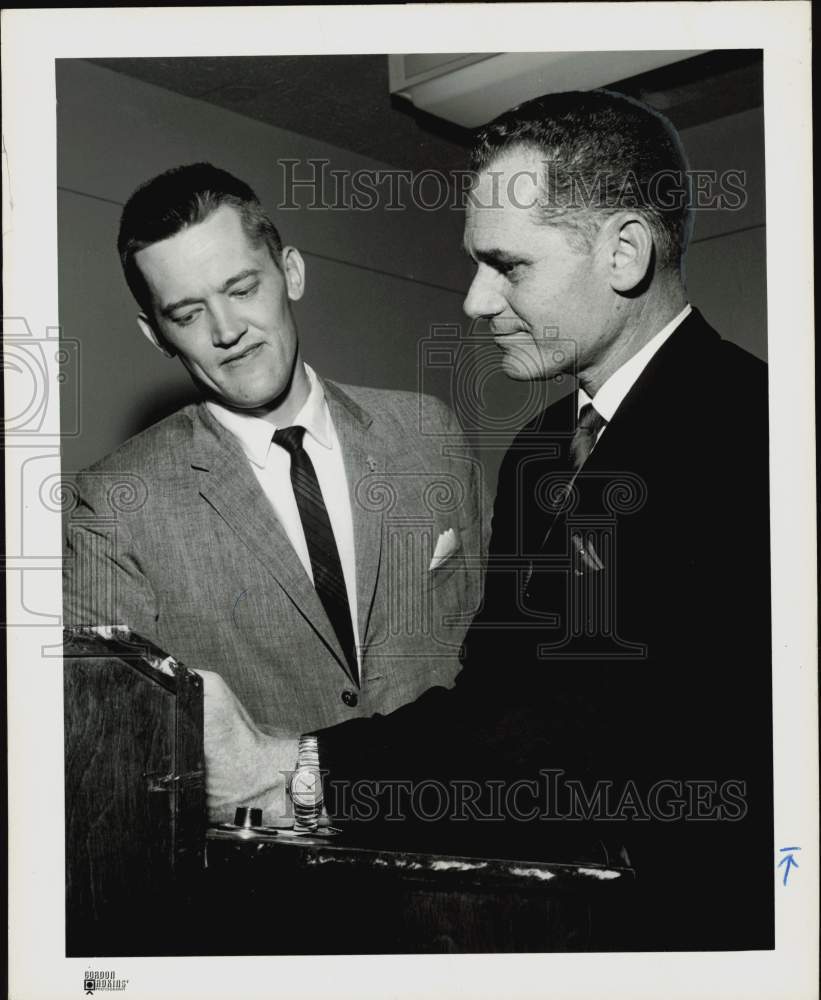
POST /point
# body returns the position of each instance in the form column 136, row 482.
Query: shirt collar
column 256, row 434
column 610, row 396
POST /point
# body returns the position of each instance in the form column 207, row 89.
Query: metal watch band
column 307, row 813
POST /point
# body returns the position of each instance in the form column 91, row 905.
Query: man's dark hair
column 179, row 198
column 602, row 152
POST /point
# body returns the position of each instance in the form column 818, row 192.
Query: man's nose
column 484, row 298
column 227, row 325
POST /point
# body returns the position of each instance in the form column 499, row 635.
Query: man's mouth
column 511, row 337
column 242, row 355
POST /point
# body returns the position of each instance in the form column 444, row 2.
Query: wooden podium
column 135, row 793
column 144, row 875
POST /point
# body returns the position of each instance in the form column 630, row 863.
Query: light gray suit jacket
column 172, row 536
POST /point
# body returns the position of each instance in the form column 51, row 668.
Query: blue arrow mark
column 788, row 861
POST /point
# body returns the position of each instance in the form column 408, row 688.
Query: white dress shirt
column 272, row 467
column 610, row 396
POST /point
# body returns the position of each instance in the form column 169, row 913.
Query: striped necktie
column 329, row 580
column 589, row 424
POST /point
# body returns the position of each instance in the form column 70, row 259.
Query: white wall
column 375, row 280
column 726, row 264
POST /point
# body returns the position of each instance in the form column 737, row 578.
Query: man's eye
column 244, row 293
column 186, row 319
column 506, row 269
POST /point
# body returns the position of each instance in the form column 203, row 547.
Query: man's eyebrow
column 250, row 272
column 496, row 258
column 172, row 307
column 233, row 280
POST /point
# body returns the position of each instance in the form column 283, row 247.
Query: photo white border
column 32, row 40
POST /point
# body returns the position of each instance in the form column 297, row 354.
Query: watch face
column 306, row 787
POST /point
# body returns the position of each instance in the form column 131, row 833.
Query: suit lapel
column 637, row 437
column 557, row 430
column 365, row 454
column 226, row 481
column 663, row 398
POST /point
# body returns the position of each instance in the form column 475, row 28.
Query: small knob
column 247, row 818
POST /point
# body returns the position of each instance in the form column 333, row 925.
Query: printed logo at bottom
column 104, row 981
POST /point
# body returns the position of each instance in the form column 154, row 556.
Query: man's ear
column 293, row 268
column 147, row 330
column 631, row 257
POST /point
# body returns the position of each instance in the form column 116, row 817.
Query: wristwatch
column 305, row 786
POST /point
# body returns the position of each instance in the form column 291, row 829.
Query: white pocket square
column 446, row 545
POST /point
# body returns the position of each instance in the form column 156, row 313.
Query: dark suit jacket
column 625, row 637
column 172, row 536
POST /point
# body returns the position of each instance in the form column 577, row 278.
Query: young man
column 279, row 535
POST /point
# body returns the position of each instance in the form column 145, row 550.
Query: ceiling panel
column 344, row 99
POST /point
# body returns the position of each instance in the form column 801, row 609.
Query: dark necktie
column 589, row 424
column 325, row 563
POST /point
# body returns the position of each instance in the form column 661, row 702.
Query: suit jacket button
column 350, row 698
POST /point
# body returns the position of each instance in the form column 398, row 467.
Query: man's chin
column 253, row 403
column 521, row 366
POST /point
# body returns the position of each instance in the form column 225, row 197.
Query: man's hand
column 243, row 766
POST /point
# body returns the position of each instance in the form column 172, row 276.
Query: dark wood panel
column 135, row 810
column 289, row 895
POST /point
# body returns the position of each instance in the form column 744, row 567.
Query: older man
column 624, row 640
